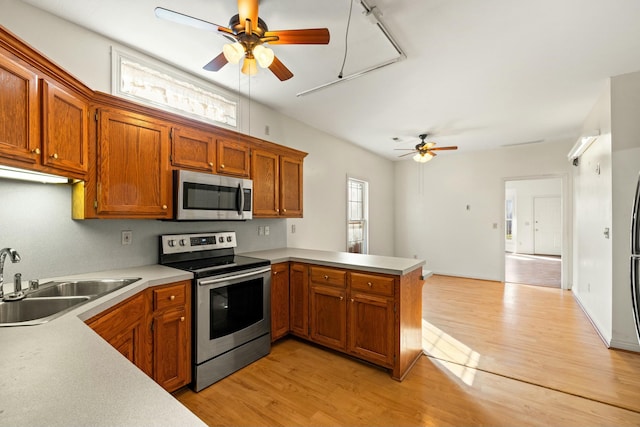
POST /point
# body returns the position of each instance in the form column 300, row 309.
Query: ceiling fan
column 249, row 34
column 425, row 150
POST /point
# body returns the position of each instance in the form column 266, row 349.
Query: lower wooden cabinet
column 279, row 300
column 299, row 299
column 328, row 312
column 153, row 330
column 371, row 328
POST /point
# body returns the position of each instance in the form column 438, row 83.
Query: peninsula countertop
column 61, row 373
column 372, row 263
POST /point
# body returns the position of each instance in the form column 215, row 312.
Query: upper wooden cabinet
column 19, row 113
column 65, row 136
column 43, row 123
column 233, row 158
column 133, row 174
column 193, row 149
column 277, row 184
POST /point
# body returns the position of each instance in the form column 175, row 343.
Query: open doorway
column 533, row 232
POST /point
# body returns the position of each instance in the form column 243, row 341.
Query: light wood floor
column 539, row 270
column 502, row 355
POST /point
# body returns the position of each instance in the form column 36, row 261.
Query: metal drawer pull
column 182, row 319
column 370, row 284
column 326, row 277
column 172, row 297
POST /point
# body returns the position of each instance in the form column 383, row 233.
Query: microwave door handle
column 240, row 199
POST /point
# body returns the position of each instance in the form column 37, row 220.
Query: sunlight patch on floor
column 440, row 345
column 534, row 257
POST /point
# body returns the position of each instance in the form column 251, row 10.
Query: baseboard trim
column 606, row 342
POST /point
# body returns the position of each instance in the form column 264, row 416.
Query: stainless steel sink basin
column 37, row 310
column 53, row 299
column 80, row 287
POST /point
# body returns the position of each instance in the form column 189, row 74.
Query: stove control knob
column 183, row 242
column 229, row 239
column 171, row 243
column 221, row 239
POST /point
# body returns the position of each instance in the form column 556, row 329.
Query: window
column 154, row 83
column 357, row 216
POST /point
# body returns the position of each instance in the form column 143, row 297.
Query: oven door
column 231, row 310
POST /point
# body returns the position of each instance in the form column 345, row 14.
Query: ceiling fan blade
column 181, row 18
column 280, row 70
column 216, row 63
column 405, row 149
column 407, row 154
column 308, row 36
column 248, row 9
column 453, row 147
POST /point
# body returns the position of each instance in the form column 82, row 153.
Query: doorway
column 533, row 232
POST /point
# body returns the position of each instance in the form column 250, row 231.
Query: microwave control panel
column 178, row 243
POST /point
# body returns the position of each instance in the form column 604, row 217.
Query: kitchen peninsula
column 367, row 306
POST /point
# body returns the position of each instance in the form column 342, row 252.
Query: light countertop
column 371, row 263
column 61, row 373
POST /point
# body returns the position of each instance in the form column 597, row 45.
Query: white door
column 547, row 216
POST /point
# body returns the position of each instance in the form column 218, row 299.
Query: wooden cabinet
column 193, row 149
column 277, row 184
column 43, row 124
column 65, row 136
column 233, row 158
column 124, row 327
column 279, row 300
column 371, row 317
column 153, row 330
column 171, row 326
column 134, row 179
column 328, row 306
column 19, row 113
column 299, row 299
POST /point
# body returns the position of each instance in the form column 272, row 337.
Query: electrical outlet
column 260, row 231
column 293, row 228
column 266, row 230
column 126, row 237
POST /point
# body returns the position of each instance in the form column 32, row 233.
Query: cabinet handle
column 370, row 284
column 182, row 319
column 36, row 151
column 277, row 210
column 351, row 299
column 54, row 156
column 222, row 166
column 341, row 298
column 164, row 207
column 172, row 297
column 211, row 164
column 275, row 273
column 326, row 277
column 284, row 210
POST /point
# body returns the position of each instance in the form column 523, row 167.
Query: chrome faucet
column 14, row 256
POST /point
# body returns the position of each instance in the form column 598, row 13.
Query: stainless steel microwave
column 204, row 196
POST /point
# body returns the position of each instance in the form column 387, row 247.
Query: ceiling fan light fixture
column 249, row 66
column 233, row 52
column 423, row 157
column 263, row 55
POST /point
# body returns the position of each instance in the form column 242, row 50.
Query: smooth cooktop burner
column 219, row 265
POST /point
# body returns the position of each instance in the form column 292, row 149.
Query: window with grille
column 357, row 216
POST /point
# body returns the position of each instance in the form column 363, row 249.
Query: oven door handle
column 237, row 276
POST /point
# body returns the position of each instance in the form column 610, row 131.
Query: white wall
column 525, row 191
column 36, row 219
column 432, row 220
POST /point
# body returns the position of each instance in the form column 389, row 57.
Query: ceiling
column 477, row 74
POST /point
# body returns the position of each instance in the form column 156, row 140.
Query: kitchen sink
column 37, row 310
column 80, row 287
column 54, row 298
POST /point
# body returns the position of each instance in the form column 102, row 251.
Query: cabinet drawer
column 370, row 283
column 169, row 296
column 329, row 276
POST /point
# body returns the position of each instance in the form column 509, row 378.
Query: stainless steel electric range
column 231, row 302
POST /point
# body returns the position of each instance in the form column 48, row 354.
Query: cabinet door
column 290, row 187
column 299, row 300
column 134, row 179
column 171, row 349
column 19, row 113
column 193, row 149
column 233, row 158
column 265, row 172
column 328, row 313
column 279, row 300
column 124, row 327
column 371, row 331
column 64, row 130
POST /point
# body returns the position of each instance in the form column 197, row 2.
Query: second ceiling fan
column 424, row 151
column 249, row 34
